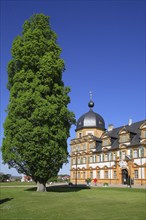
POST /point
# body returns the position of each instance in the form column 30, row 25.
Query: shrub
column 88, row 180
column 105, row 184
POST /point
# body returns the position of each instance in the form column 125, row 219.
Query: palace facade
column 113, row 155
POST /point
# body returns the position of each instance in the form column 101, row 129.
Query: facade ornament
column 123, row 164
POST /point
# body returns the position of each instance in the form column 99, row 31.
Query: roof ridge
column 138, row 122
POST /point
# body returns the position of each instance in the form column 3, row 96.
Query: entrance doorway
column 124, row 176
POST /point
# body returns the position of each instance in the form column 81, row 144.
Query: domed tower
column 90, row 122
column 89, row 129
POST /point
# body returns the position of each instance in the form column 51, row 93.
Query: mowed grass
column 62, row 202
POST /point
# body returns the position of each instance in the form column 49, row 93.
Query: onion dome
column 90, row 119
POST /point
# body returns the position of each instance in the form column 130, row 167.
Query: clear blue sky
column 103, row 46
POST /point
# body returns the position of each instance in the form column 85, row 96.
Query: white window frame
column 135, row 153
column 115, row 174
column 98, row 174
column 106, row 174
column 91, row 174
column 136, row 176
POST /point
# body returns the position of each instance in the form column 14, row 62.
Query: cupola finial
column 91, row 103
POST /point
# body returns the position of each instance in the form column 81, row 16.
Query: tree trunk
column 41, row 187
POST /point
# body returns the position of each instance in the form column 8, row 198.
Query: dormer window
column 124, row 135
column 143, row 134
column 105, row 142
column 123, row 138
column 143, row 131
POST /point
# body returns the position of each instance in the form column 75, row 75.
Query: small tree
column 5, row 177
column 88, row 181
column 38, row 122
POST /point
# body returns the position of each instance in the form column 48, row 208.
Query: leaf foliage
column 38, row 122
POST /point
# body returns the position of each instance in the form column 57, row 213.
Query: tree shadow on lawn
column 5, row 200
column 62, row 188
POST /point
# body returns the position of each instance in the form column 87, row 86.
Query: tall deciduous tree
column 38, row 122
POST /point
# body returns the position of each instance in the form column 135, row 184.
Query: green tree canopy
column 38, row 122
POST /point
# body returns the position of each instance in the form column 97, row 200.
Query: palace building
column 112, row 155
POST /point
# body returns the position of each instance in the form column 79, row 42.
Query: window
column 99, row 158
column 123, row 138
column 102, row 157
column 142, row 151
column 91, row 159
column 105, row 142
column 111, row 156
column 106, row 174
column 84, row 175
column 120, row 155
column 131, row 153
column 115, row 174
column 78, row 175
column 80, row 135
column 74, row 175
column 123, row 155
column 135, row 153
column 73, row 149
column 84, row 146
column 106, row 157
column 79, row 160
column 84, row 159
column 98, row 174
column 73, row 161
column 136, row 174
column 114, row 156
column 91, row 175
column 78, row 148
column 143, row 134
column 89, row 132
column 92, row 146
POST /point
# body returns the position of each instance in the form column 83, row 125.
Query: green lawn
column 73, row 203
column 17, row 183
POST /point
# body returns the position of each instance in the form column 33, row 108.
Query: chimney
column 130, row 122
column 110, row 127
